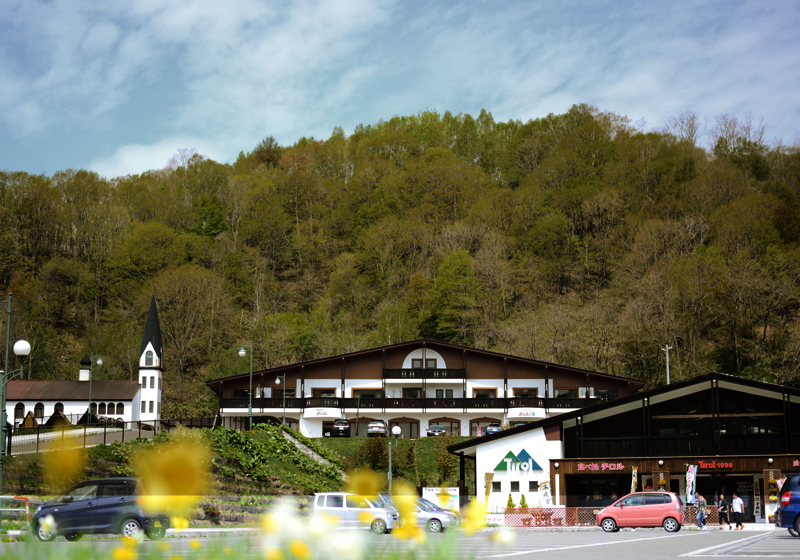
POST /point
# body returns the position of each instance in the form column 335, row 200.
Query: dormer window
column 148, row 358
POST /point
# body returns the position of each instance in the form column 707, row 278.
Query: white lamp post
column 396, row 433
column 243, row 353
column 278, row 382
column 22, row 349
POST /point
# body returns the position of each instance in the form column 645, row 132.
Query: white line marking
column 737, row 541
column 584, row 546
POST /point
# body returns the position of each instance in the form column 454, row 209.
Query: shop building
column 413, row 385
column 741, row 434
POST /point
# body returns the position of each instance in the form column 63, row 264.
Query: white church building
column 36, row 403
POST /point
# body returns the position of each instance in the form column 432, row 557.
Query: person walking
column 701, row 506
column 723, row 507
column 738, row 508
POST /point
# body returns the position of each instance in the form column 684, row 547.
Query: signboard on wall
column 322, row 413
column 445, row 498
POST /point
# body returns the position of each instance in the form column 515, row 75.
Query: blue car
column 788, row 514
column 108, row 505
column 493, row 428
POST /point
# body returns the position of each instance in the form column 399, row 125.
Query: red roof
column 72, row 390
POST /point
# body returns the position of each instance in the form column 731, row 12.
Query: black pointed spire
column 152, row 331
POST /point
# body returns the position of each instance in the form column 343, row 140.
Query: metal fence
column 551, row 517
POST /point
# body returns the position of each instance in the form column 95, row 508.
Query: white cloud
column 137, row 158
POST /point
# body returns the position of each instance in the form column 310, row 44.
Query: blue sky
column 119, row 87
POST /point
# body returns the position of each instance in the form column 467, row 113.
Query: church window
column 120, row 408
column 151, row 406
column 19, row 411
column 58, row 406
column 153, row 382
column 38, row 410
column 148, row 358
column 102, row 409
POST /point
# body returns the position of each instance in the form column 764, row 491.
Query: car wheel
column 42, row 535
column 794, row 532
column 608, row 525
column 156, row 534
column 796, row 528
column 435, row 526
column 671, row 525
column 73, row 536
column 378, row 527
column 130, row 528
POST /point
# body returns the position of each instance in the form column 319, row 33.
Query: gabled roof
column 71, row 390
column 152, row 331
column 635, row 383
column 464, row 446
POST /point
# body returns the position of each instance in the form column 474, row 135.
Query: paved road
column 652, row 544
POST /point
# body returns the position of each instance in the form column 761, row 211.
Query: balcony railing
column 419, row 374
column 351, row 403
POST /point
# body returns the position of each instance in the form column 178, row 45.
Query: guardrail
column 16, row 509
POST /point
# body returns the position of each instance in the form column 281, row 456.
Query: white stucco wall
column 72, row 409
column 491, row 454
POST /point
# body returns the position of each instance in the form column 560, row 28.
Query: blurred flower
column 195, row 544
column 365, row 517
column 321, row 525
column 299, row 549
column 270, row 523
column 348, row 545
column 175, row 475
column 164, row 546
column 227, row 551
column 405, row 498
column 273, row 554
column 48, row 524
column 123, row 553
column 364, row 483
column 134, row 541
column 474, row 517
column 179, row 523
column 503, row 536
column 62, row 467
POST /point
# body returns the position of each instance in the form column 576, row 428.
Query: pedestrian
column 701, row 506
column 738, row 508
column 723, row 508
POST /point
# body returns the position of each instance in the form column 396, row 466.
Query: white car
column 350, row 510
column 377, row 428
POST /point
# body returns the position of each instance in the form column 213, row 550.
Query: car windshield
column 341, row 423
column 427, row 505
column 435, row 427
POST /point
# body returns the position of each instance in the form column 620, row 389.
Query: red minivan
column 643, row 509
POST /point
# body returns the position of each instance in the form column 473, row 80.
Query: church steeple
column 152, row 335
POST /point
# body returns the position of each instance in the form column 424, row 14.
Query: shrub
column 510, row 503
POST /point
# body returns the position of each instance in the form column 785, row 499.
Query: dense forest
column 579, row 238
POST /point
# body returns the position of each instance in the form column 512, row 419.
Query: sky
column 120, row 87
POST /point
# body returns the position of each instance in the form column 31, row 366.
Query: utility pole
column 666, row 349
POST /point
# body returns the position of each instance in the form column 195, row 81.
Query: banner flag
column 691, row 482
column 487, row 479
column 547, row 499
column 634, row 474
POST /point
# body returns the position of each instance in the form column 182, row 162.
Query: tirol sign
column 522, row 462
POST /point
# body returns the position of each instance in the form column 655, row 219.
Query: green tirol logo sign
column 522, row 462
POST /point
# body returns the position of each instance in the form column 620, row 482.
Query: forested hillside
column 573, row 239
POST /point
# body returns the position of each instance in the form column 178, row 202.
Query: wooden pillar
column 462, row 472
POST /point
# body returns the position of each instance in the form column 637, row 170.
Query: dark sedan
column 109, row 505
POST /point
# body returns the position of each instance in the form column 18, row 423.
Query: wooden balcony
column 428, row 374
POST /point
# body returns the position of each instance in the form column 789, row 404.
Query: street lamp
column 242, row 354
column 278, row 382
column 7, row 303
column 666, row 349
column 91, row 374
column 395, row 432
column 22, row 349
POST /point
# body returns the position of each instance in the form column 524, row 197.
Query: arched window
column 102, row 408
column 148, row 358
column 38, row 410
column 19, row 411
column 58, row 406
column 94, row 408
column 120, row 409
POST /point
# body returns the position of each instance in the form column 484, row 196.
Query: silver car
column 350, row 510
column 377, row 428
column 434, row 518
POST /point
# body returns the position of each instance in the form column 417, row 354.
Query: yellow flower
column 179, row 523
column 299, row 549
column 175, row 558
column 133, row 541
column 63, row 466
column 227, row 551
column 409, row 532
column 365, row 517
column 195, row 544
column 474, row 517
column 364, row 483
column 164, row 546
column 273, row 554
column 123, row 553
column 270, row 523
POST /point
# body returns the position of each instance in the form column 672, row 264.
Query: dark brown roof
column 71, row 390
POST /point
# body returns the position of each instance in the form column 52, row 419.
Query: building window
column 159, row 382
column 533, row 486
column 323, row 393
column 151, row 406
column 444, row 393
column 412, row 393
column 58, row 407
column 148, row 358
column 566, row 393
column 144, row 404
column 153, row 382
column 514, row 486
column 102, row 409
column 367, row 393
column 120, row 408
column 484, row 393
column 408, row 429
column 38, row 410
column 416, row 363
column 497, row 486
column 482, row 422
column 279, row 393
column 526, row 392
column 93, row 408
column 241, row 393
column 144, row 382
column 606, row 394
column 430, row 363
column 19, row 411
